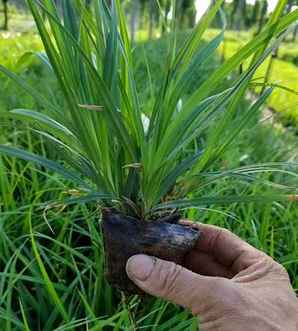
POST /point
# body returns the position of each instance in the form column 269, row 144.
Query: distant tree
column 153, row 12
column 5, row 11
column 239, row 17
column 243, row 10
column 263, row 14
column 255, row 12
column 166, row 7
column 234, row 12
column 134, row 16
column 186, row 13
column 290, row 5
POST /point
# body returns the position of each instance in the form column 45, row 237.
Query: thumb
column 170, row 281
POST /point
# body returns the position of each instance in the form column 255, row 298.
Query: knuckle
column 273, row 267
column 222, row 232
column 218, row 234
column 280, row 270
column 265, row 261
column 225, row 231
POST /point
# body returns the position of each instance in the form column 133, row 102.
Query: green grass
column 13, row 44
column 35, row 261
column 282, row 101
column 289, row 52
column 51, row 255
column 284, row 72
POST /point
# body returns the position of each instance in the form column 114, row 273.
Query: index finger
column 225, row 247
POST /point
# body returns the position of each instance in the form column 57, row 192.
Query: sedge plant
column 142, row 161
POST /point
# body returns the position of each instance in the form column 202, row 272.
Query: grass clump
column 143, row 168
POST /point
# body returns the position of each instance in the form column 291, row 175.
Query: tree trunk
column 289, row 8
column 167, row 9
column 255, row 13
column 142, row 14
column 290, row 5
column 234, row 12
column 244, row 13
column 239, row 18
column 5, row 11
column 151, row 19
column 134, row 19
column 191, row 14
column 263, row 16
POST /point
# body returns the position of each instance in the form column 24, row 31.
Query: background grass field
column 284, row 72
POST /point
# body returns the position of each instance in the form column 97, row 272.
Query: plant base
column 126, row 236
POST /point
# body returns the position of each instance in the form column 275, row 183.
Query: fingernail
column 139, row 267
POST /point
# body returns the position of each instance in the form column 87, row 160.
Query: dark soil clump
column 126, row 236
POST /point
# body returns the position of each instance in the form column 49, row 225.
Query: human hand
column 224, row 281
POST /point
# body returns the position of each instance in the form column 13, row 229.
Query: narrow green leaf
column 49, row 164
column 208, row 201
column 49, row 285
column 26, row 325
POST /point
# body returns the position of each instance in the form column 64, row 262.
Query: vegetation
column 72, row 254
column 244, row 20
column 5, row 13
column 282, row 100
column 51, row 261
column 125, row 153
column 283, row 74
